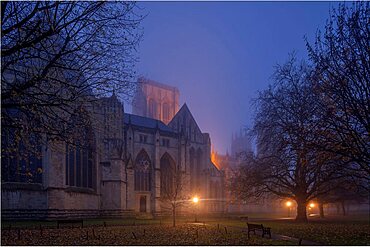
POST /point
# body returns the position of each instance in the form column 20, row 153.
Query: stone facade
column 241, row 144
column 119, row 174
column 155, row 100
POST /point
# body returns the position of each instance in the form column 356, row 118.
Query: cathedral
column 125, row 167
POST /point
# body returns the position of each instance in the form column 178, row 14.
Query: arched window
column 142, row 172
column 166, row 112
column 80, row 154
column 168, row 167
column 21, row 158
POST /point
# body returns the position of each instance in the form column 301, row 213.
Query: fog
column 220, row 54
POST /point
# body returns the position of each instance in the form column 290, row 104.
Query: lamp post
column 195, row 201
column 289, row 205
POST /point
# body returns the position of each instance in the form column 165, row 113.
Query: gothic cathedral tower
column 155, row 100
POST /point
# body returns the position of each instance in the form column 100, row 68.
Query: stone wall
column 19, row 196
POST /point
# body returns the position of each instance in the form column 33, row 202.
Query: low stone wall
column 51, row 214
column 22, row 201
column 23, row 196
column 117, row 214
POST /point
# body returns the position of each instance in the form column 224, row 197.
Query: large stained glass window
column 142, row 172
column 167, row 175
column 80, row 156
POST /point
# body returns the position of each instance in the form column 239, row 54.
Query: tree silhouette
column 57, row 56
column 341, row 59
column 287, row 123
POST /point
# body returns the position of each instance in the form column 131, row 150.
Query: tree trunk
column 343, row 208
column 321, row 208
column 173, row 216
column 301, row 211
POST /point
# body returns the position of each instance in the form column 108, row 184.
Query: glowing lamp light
column 195, row 199
column 312, row 205
column 289, row 203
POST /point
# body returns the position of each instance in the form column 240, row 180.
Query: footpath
column 297, row 241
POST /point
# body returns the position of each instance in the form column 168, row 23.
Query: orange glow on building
column 214, row 159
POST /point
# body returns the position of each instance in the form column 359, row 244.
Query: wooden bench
column 70, row 221
column 259, row 227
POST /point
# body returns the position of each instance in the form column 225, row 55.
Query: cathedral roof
column 145, row 122
column 182, row 115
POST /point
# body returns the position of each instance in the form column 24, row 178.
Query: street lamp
column 289, row 205
column 195, row 201
column 311, row 206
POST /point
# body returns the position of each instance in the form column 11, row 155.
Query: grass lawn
column 183, row 234
column 329, row 231
column 349, row 230
column 87, row 223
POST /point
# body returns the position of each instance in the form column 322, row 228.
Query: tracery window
column 21, row 158
column 79, row 166
column 142, row 172
column 167, row 175
column 80, row 155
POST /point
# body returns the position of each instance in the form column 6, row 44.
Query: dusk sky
column 219, row 54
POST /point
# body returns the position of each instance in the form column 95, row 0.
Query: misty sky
column 219, row 54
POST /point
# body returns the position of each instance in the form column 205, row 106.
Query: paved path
column 273, row 236
column 287, row 238
column 295, row 240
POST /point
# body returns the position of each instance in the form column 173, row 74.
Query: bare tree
column 175, row 196
column 312, row 125
column 346, row 190
column 287, row 124
column 341, row 58
column 59, row 56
